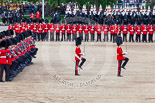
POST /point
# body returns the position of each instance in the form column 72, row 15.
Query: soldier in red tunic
column 151, row 32
column 131, row 32
column 105, row 30
column 85, row 28
column 51, row 29
column 46, row 28
column 144, row 32
column 138, row 32
column 91, row 31
column 68, row 30
column 38, row 15
column 78, row 56
column 74, row 32
column 124, row 30
column 3, row 61
column 32, row 16
column 63, row 31
column 120, row 56
column 57, row 30
column 98, row 30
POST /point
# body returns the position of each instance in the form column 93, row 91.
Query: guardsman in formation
column 4, row 54
column 74, row 32
column 116, row 31
column 57, row 30
column 111, row 29
column 80, row 31
column 78, row 56
column 105, row 30
column 15, row 53
column 144, row 32
column 138, row 32
column 68, row 30
column 63, row 31
column 92, row 31
column 131, row 32
column 51, row 29
column 120, row 56
column 98, row 31
column 45, row 29
column 40, row 31
column 150, row 31
column 124, row 30
column 86, row 31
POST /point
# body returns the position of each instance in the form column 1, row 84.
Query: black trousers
column 138, row 38
column 114, row 38
column 68, row 36
column 150, row 39
column 51, row 36
column 77, row 64
column 106, row 37
column 111, row 37
column 42, row 36
column 57, row 36
column 125, row 37
column 120, row 65
column 144, row 38
column 131, row 38
column 39, row 36
column 86, row 37
column 98, row 37
column 7, row 71
column 63, row 37
column 92, row 37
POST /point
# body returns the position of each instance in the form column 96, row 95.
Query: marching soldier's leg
column 83, row 61
column 126, row 61
column 119, row 67
column 76, row 67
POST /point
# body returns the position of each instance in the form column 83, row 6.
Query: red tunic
column 124, row 29
column 51, row 28
column 85, row 28
column 32, row 16
column 91, row 29
column 137, row 30
column 120, row 54
column 45, row 28
column 62, row 28
column 68, row 28
column 38, row 15
column 77, row 52
column 105, row 29
column 73, row 28
column 3, row 56
column 131, row 29
column 144, row 29
column 150, row 29
column 79, row 29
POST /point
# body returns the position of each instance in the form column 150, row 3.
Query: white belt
column 77, row 56
column 2, row 56
column 46, row 28
column 138, row 30
column 151, row 30
column 51, row 28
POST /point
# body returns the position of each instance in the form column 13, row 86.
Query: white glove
column 83, row 54
column 126, row 53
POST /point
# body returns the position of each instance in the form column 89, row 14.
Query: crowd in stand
column 13, row 12
column 16, row 52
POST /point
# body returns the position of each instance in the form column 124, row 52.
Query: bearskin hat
column 78, row 41
column 119, row 41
